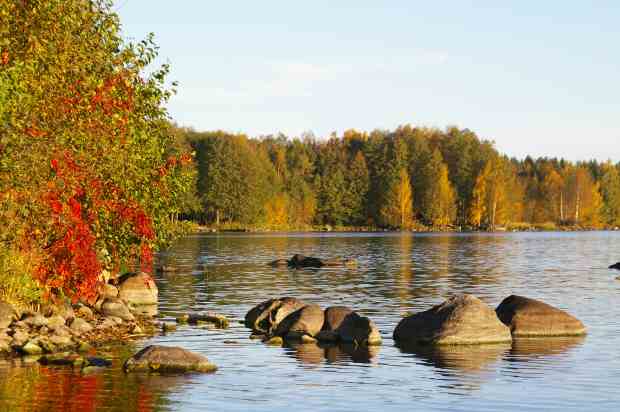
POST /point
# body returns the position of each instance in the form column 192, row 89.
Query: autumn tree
column 397, row 205
column 610, row 190
column 438, row 205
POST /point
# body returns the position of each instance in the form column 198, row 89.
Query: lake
column 397, row 273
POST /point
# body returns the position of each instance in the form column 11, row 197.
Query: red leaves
column 78, row 202
column 4, row 58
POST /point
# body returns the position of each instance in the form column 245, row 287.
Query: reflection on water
column 396, row 273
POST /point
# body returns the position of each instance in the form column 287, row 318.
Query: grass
column 17, row 285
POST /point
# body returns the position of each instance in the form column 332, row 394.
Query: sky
column 540, row 78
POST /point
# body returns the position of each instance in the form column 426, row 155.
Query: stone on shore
column 137, row 289
column 164, row 359
column 80, row 326
column 460, row 320
column 265, row 317
column 530, row 317
column 7, row 314
column 115, row 307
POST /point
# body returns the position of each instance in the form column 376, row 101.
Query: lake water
column 396, row 274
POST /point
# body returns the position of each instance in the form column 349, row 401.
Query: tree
column 438, row 198
column 397, row 207
column 610, row 190
column 86, row 177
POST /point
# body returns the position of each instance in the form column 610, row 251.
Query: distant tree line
column 406, row 178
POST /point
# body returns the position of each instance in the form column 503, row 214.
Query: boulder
column 137, row 289
column 531, row 317
column 32, row 348
column 344, row 325
column 156, row 358
column 36, row 321
column 55, row 322
column 265, row 317
column 460, row 320
column 109, row 291
column 116, row 308
column 615, row 266
column 85, row 312
column 305, row 321
column 7, row 314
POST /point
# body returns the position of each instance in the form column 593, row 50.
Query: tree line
column 407, row 178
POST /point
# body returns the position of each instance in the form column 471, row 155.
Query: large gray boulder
column 460, row 320
column 265, row 317
column 531, row 317
column 7, row 314
column 164, row 359
column 305, row 321
column 137, row 289
column 342, row 324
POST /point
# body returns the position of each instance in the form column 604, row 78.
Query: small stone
column 81, row 326
column 62, row 342
column 274, row 341
column 20, row 337
column 97, row 362
column 85, row 312
column 183, row 318
column 36, row 321
column 307, row 339
column 32, row 348
column 84, row 347
column 169, row 327
column 107, row 324
column 56, row 321
column 117, row 308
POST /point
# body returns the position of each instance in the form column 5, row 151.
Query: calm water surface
column 396, row 274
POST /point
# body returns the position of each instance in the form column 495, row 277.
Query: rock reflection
column 527, row 348
column 68, row 389
column 458, row 358
column 313, row 354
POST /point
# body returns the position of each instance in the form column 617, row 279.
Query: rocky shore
column 123, row 310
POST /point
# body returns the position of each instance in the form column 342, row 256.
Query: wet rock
column 61, row 342
column 279, row 263
column 615, row 266
column 84, row 347
column 137, row 289
column 168, row 327
column 117, row 308
column 342, row 324
column 62, row 359
column 266, row 316
column 31, row 348
column 92, row 361
column 81, row 326
column 107, row 323
column 168, row 359
column 274, row 341
column 531, row 317
column 7, row 314
column 300, row 261
column 183, row 318
column 217, row 319
column 460, row 320
column 305, row 321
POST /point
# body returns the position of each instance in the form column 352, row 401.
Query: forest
column 411, row 178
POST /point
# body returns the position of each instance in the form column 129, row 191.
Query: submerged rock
column 137, row 289
column 300, row 261
column 164, row 359
column 615, row 266
column 265, row 317
column 216, row 319
column 460, row 320
column 531, row 317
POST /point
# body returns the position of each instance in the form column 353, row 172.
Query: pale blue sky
column 538, row 77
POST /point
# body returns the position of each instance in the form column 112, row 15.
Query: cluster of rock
column 466, row 320
column 64, row 327
column 301, row 262
column 292, row 319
